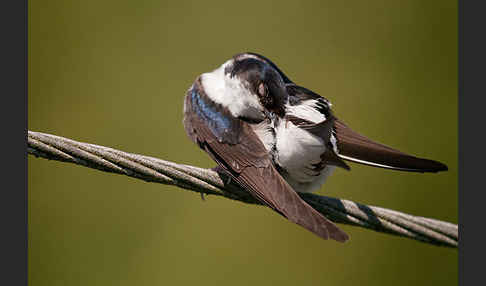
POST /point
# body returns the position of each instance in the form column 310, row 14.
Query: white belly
column 298, row 150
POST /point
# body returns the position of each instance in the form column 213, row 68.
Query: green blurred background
column 114, row 73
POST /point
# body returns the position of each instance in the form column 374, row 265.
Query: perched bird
column 275, row 138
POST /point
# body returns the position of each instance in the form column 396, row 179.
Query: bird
column 276, row 139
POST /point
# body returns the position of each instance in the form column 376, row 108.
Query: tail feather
column 357, row 148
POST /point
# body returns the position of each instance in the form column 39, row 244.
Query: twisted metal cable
column 211, row 182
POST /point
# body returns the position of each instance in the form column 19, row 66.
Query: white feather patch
column 298, row 150
column 264, row 132
column 231, row 93
column 308, row 187
column 306, row 110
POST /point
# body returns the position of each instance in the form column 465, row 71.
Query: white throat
column 231, row 93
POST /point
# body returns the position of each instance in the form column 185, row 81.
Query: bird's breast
column 298, row 153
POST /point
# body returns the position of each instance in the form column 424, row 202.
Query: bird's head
column 248, row 85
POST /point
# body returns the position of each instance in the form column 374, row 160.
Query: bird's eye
column 262, row 90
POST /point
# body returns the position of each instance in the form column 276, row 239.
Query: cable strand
column 212, row 182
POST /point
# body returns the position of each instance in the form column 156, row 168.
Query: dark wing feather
column 249, row 165
column 357, row 148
